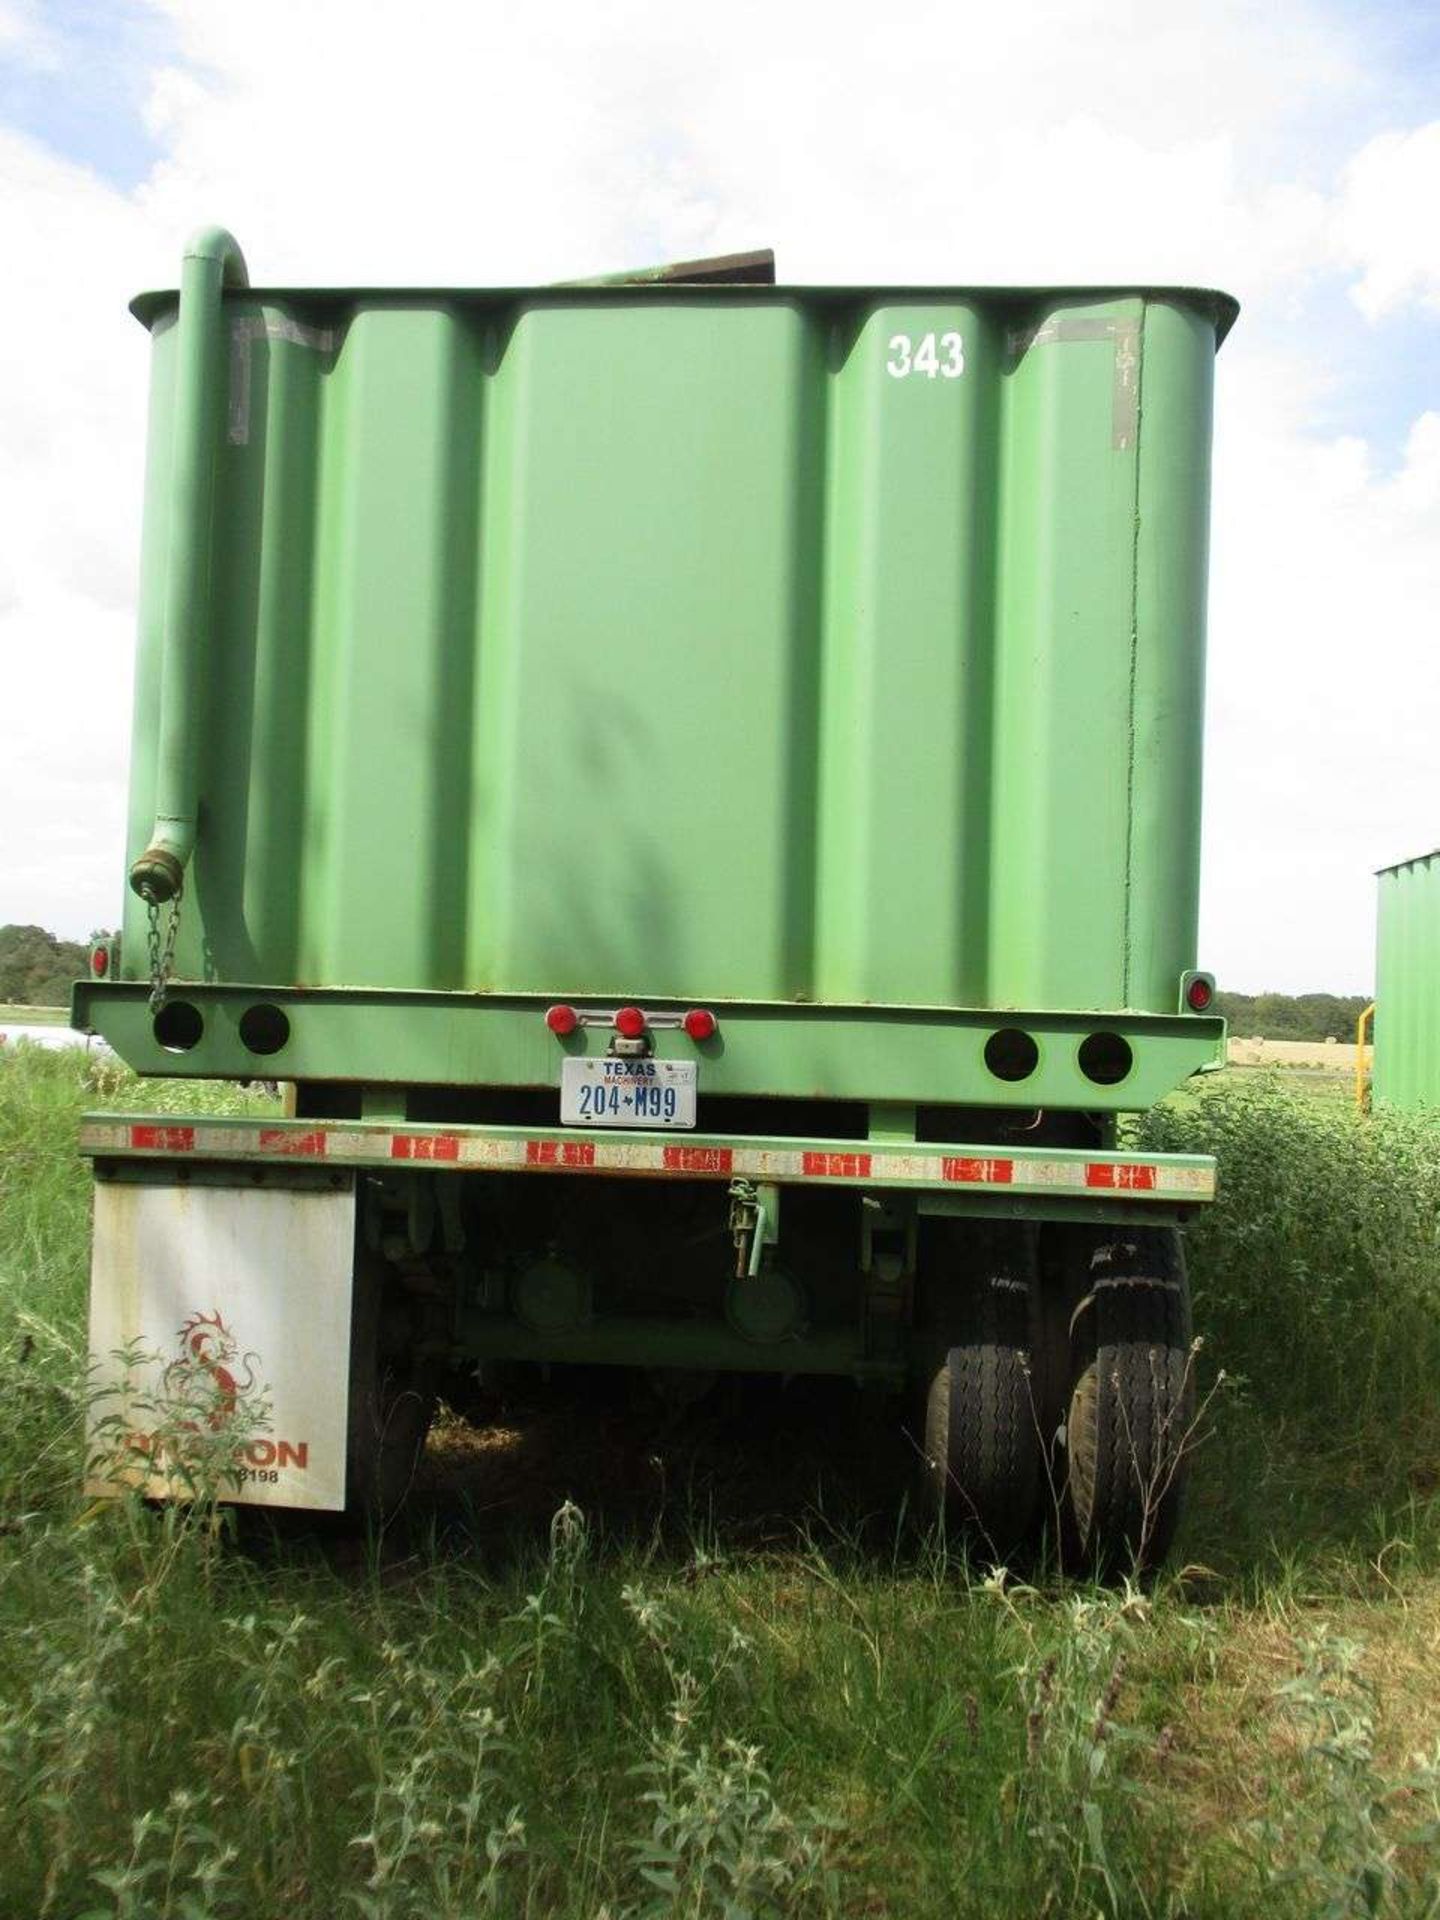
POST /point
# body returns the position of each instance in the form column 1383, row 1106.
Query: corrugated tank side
column 678, row 645
column 1407, row 986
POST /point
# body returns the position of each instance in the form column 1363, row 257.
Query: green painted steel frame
column 906, row 1054
column 704, row 1345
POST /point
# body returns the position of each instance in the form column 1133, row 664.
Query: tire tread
column 1133, row 1326
column 982, row 1448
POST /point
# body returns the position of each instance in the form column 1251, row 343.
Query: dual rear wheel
column 1057, row 1389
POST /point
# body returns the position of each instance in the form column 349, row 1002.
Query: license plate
column 628, row 1093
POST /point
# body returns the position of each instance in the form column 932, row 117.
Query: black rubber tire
column 392, row 1401
column 1131, row 1402
column 980, row 1444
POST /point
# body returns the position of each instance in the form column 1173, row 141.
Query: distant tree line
column 37, row 970
column 1291, row 1016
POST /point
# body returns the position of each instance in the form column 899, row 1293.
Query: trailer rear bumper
column 787, row 1050
column 1026, row 1182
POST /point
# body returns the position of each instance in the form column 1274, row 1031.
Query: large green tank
column 1407, row 986
column 802, row 648
column 761, row 719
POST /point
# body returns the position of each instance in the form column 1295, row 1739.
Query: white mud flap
column 220, row 1338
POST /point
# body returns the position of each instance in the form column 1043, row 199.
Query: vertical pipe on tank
column 212, row 262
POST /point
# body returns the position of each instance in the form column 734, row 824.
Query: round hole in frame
column 178, row 1026
column 264, row 1029
column 1105, row 1058
column 1011, row 1055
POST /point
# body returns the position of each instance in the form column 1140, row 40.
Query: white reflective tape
column 1185, row 1179
column 1049, row 1173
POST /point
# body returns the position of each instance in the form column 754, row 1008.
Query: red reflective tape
column 836, row 1166
column 283, row 1140
column 424, row 1146
column 559, row 1153
column 975, row 1172
column 1107, row 1173
column 163, row 1139
column 699, row 1160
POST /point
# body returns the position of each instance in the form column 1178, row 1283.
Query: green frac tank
column 1407, row 986
column 820, row 647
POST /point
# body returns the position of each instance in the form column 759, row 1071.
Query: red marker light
column 100, row 962
column 700, row 1023
column 562, row 1020
column 1199, row 994
column 630, row 1023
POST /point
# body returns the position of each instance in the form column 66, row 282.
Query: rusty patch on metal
column 726, row 269
column 755, row 269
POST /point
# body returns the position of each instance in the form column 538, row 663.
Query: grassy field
column 626, row 1658
column 34, row 1016
column 1303, row 1066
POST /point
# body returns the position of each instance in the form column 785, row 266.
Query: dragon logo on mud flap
column 209, row 1358
column 212, row 1388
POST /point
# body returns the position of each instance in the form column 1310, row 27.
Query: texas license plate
column 628, row 1093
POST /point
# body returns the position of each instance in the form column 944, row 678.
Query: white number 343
column 932, row 354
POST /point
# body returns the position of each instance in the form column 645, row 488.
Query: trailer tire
column 392, row 1399
column 980, row 1445
column 1131, row 1402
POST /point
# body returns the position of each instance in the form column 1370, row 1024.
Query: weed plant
column 831, row 1718
column 1316, row 1277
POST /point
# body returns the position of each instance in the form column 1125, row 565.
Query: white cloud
column 24, row 36
column 1325, row 686
column 1386, row 220
column 1079, row 139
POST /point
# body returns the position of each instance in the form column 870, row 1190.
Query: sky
column 1288, row 152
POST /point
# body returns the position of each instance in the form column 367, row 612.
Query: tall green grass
column 1317, row 1290
column 826, row 1716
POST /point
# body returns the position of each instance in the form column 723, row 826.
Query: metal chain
column 162, row 953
